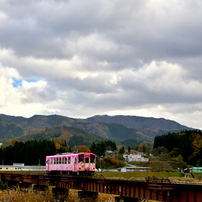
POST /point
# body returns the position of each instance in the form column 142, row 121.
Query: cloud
column 81, row 58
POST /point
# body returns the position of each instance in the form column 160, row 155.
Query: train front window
column 81, row 158
column 92, row 158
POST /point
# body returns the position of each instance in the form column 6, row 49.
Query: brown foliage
column 197, row 143
column 13, row 141
column 83, row 148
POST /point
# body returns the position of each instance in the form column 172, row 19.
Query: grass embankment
column 174, row 177
column 138, row 175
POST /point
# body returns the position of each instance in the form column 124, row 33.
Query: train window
column 65, row 160
column 55, row 160
column 92, row 158
column 87, row 160
column 69, row 160
column 52, row 161
column 59, row 160
column 81, row 158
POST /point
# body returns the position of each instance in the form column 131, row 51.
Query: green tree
column 122, row 150
column 99, row 148
column 93, row 147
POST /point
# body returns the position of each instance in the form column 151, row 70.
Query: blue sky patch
column 18, row 82
column 33, row 80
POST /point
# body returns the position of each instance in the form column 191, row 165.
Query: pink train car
column 79, row 164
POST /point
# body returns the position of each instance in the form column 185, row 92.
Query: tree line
column 34, row 152
column 187, row 143
column 31, row 152
column 101, row 147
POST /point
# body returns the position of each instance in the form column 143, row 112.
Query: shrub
column 3, row 185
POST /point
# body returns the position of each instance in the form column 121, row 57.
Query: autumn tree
column 197, row 143
column 13, row 141
column 83, row 148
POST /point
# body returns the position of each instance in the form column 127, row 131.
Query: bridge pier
column 25, row 187
column 87, row 196
column 40, row 189
column 12, row 185
column 60, row 194
column 126, row 199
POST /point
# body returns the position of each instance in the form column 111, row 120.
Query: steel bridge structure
column 127, row 190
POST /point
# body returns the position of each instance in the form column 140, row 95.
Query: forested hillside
column 119, row 128
column 188, row 144
column 139, row 122
column 69, row 135
column 10, row 130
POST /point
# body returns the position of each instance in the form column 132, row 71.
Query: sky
column 80, row 58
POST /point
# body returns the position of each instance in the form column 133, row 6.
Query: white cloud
column 102, row 57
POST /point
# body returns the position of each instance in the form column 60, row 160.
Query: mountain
column 10, row 130
column 113, row 127
column 69, row 135
column 146, row 126
column 139, row 122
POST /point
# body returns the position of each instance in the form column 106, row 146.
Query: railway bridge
column 89, row 187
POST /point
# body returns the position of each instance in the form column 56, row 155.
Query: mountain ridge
column 134, row 121
column 119, row 127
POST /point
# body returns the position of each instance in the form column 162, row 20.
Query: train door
column 75, row 162
column 87, row 162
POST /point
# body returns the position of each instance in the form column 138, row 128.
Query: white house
column 138, row 156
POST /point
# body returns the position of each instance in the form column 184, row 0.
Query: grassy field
column 138, row 175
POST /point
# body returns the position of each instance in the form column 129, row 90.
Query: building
column 22, row 167
column 138, row 156
column 136, row 169
column 8, row 168
column 110, row 153
column 196, row 170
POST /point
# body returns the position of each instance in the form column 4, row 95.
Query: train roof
column 71, row 154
